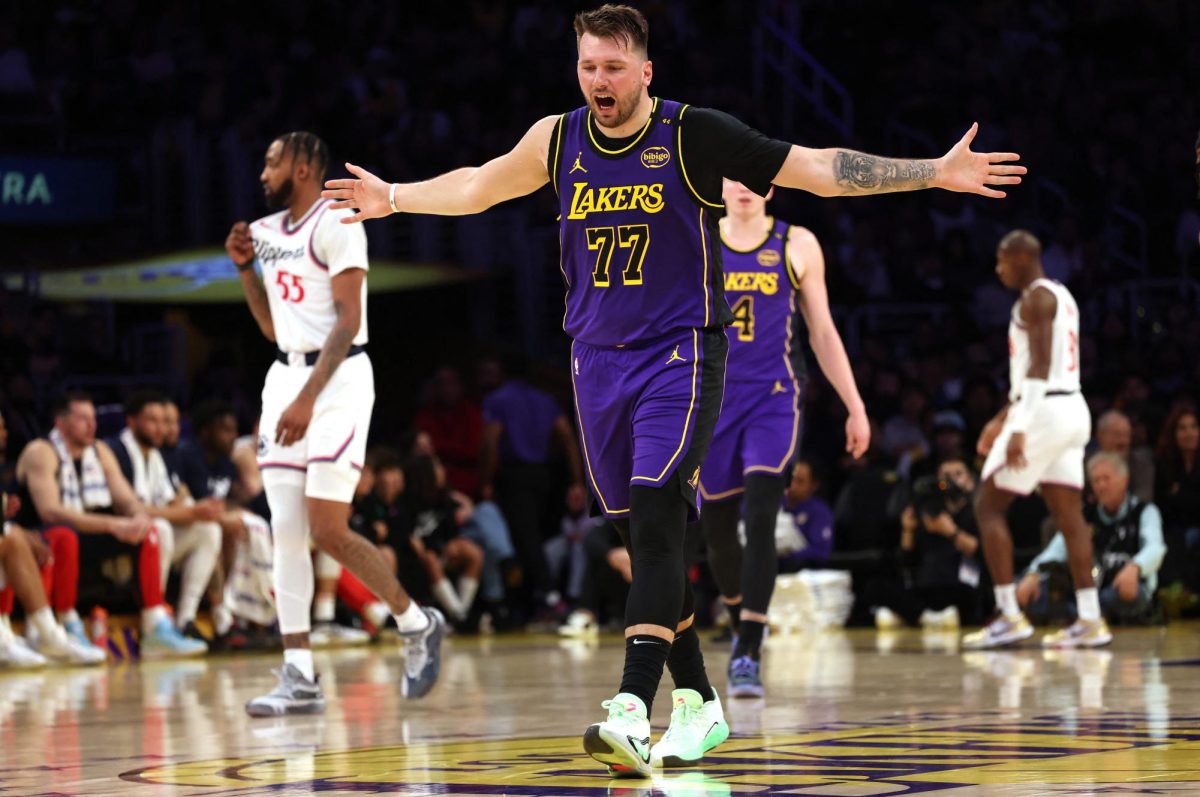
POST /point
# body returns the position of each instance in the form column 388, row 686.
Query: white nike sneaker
column 697, row 726
column 13, row 651
column 62, row 648
column 622, row 742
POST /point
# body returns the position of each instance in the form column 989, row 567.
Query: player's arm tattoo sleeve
column 846, row 172
column 347, row 287
column 860, row 173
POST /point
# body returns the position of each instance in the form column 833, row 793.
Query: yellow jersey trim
column 630, row 145
column 562, row 122
column 796, row 397
column 787, row 260
column 719, row 496
column 687, row 423
column 587, row 460
column 683, row 167
column 766, row 239
column 704, row 253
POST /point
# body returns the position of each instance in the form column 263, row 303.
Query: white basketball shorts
column 331, row 453
column 1054, row 447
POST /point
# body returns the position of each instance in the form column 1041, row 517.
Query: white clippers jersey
column 1064, row 345
column 298, row 262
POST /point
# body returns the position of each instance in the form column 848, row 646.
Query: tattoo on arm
column 861, row 173
column 333, row 353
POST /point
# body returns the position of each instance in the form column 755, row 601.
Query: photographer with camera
column 938, row 542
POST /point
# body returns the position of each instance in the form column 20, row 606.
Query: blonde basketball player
column 1038, row 440
column 317, row 400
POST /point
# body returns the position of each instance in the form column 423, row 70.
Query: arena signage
column 56, row 190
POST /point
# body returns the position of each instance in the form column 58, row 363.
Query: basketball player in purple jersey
column 639, row 186
column 774, row 274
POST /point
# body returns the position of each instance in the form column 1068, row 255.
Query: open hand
column 368, row 194
column 969, row 172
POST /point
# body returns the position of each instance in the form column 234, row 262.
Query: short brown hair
column 623, row 24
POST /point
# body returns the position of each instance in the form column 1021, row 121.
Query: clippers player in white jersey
column 317, row 401
column 1038, row 440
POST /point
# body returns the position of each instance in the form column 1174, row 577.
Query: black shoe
column 233, row 640
column 725, row 635
column 192, row 632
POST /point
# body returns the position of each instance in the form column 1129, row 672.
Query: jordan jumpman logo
column 578, row 166
column 675, row 358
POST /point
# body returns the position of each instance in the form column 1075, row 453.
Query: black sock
column 735, row 615
column 645, row 657
column 749, row 640
column 687, row 664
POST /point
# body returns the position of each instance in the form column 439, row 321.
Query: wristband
column 1021, row 414
column 392, row 197
column 243, row 266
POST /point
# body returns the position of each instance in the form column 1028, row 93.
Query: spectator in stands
column 565, row 552
column 521, row 425
column 440, row 517
column 939, row 544
column 1064, row 258
column 1177, row 494
column 72, row 489
column 455, row 427
column 605, row 586
column 868, row 508
column 381, row 515
column 1114, row 435
column 811, row 521
column 948, row 441
column 1127, row 539
column 188, row 532
column 903, row 436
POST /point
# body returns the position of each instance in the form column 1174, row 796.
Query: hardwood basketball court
column 848, row 713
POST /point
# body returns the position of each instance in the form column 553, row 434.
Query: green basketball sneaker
column 696, row 727
column 623, row 740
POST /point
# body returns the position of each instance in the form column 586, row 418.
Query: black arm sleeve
column 717, row 145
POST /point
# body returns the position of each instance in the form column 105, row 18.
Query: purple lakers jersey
column 760, row 286
column 637, row 241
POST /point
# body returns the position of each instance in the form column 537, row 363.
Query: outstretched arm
column 461, row 192
column 805, row 256
column 843, row 172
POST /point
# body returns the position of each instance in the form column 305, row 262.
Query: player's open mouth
column 605, row 102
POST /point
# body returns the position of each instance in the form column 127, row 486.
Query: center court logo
column 915, row 754
column 655, row 157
